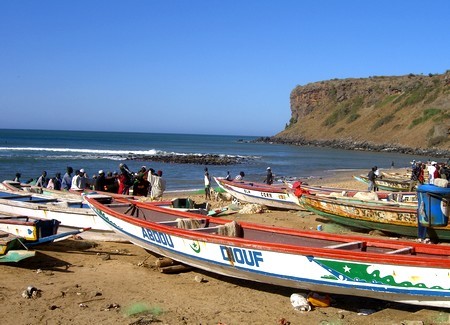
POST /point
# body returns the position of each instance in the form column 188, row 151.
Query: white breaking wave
column 106, row 154
column 91, row 151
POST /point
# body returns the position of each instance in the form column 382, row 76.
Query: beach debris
column 121, row 252
column 221, row 196
column 165, row 261
column 300, row 302
column 53, row 307
column 111, row 307
column 175, row 269
column 31, row 292
column 283, row 321
column 252, row 209
column 319, row 228
column 141, row 308
column 143, row 263
column 200, row 279
column 105, row 257
column 83, row 305
column 96, row 294
column 365, row 312
column 319, row 300
column 167, row 265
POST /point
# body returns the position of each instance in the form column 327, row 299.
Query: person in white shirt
column 240, row 177
column 431, row 169
column 75, row 181
column 158, row 185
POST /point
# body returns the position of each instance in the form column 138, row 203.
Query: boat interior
column 275, row 236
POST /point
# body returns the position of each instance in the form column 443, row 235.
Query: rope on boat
column 186, row 223
column 230, row 229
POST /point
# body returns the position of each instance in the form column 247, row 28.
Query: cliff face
column 407, row 111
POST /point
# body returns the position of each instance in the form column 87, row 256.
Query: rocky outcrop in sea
column 207, row 159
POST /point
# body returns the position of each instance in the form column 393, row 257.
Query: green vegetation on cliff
column 410, row 111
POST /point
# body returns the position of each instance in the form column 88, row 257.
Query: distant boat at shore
column 390, row 184
column 280, row 197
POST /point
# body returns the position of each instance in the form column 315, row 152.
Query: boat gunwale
column 348, row 202
column 30, row 205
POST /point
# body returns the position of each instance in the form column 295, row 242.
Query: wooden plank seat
column 207, row 229
column 350, row 245
column 403, row 250
column 43, row 200
column 118, row 205
column 171, row 223
column 174, row 223
column 177, row 223
column 230, row 229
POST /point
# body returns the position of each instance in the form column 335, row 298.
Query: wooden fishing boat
column 28, row 228
column 11, row 249
column 260, row 193
column 385, row 196
column 401, row 271
column 72, row 214
column 185, row 204
column 15, row 248
column 392, row 217
column 390, row 184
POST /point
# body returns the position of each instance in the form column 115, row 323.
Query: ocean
column 32, row 151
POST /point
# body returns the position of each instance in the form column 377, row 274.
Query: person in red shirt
column 298, row 190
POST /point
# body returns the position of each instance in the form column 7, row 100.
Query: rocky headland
column 408, row 114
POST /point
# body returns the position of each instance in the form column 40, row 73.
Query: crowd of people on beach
column 145, row 182
column 421, row 173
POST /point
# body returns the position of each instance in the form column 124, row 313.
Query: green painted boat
column 390, row 184
column 391, row 218
column 14, row 256
column 12, row 249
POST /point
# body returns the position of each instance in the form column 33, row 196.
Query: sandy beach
column 83, row 282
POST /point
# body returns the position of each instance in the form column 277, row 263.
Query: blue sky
column 201, row 67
